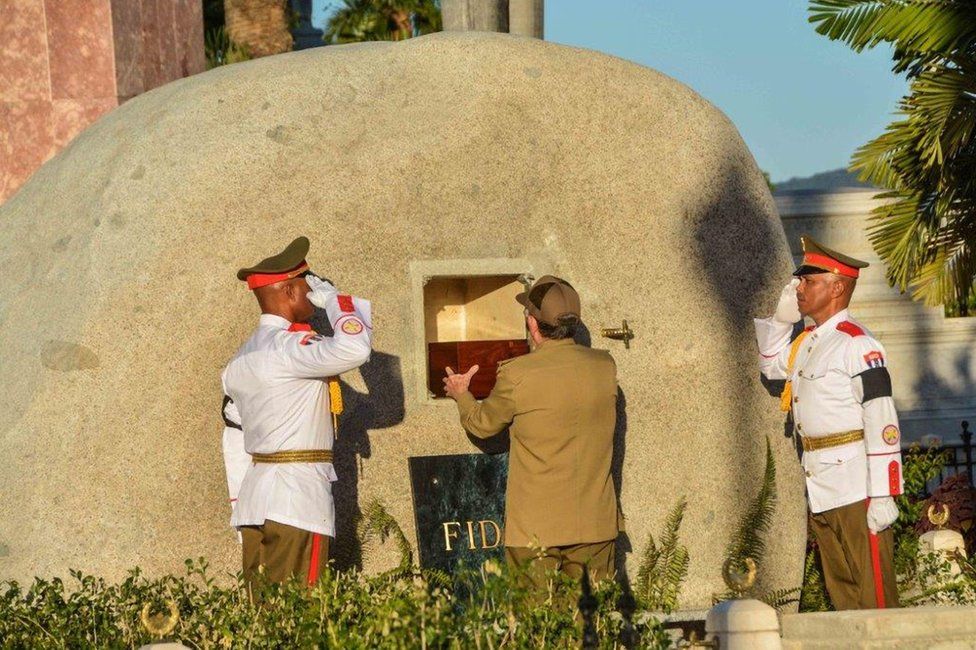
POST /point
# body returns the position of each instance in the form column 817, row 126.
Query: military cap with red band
column 289, row 263
column 817, row 258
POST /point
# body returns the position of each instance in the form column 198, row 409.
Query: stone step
column 945, row 628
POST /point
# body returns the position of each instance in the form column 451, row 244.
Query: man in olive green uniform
column 560, row 404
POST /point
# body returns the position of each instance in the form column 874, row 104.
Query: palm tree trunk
column 260, row 25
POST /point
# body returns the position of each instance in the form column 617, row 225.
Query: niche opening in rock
column 472, row 320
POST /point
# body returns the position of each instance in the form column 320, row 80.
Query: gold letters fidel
column 477, row 531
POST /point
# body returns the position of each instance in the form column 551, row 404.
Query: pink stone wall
column 65, row 63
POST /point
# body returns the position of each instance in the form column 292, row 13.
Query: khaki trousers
column 532, row 564
column 284, row 552
column 850, row 560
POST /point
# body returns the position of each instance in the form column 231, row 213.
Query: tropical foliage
column 221, row 50
column 382, row 20
column 345, row 610
column 663, row 566
column 926, row 159
column 748, row 543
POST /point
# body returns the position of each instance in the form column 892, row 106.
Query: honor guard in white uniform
column 279, row 416
column 838, row 391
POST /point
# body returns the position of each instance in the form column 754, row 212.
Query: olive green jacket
column 560, row 401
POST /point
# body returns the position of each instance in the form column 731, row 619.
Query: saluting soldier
column 839, row 391
column 279, row 415
column 560, row 403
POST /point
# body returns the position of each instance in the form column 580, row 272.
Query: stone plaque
column 459, row 505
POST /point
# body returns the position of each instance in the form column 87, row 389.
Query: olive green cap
column 287, row 264
column 817, row 258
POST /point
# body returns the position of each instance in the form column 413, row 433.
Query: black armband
column 223, row 413
column 876, row 382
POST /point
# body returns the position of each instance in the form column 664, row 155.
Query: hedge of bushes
column 482, row 609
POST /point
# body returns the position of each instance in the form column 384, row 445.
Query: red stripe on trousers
column 313, row 564
column 876, row 567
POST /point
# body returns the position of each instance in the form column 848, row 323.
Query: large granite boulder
column 452, row 154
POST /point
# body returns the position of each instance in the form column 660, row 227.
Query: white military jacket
column 840, row 383
column 278, row 390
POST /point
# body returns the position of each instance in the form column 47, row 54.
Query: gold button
column 809, row 349
column 799, row 427
column 809, row 473
column 796, row 399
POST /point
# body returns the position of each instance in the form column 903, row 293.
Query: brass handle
column 624, row 334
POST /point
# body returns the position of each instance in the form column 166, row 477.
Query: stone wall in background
column 65, row 64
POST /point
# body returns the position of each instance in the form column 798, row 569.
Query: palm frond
column 926, row 158
column 913, row 27
column 380, row 20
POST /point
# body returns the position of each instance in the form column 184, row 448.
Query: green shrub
column 345, row 610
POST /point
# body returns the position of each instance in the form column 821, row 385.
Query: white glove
column 787, row 311
column 882, row 512
column 321, row 291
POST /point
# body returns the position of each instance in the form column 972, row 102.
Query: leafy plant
column 221, row 50
column 344, row 610
column 939, row 584
column 663, row 568
column 748, row 539
column 376, row 522
column 926, row 229
column 813, row 593
column 959, row 497
column 382, row 20
column 919, row 467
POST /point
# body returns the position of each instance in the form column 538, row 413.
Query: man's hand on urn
column 787, row 310
column 882, row 512
column 456, row 384
column 321, row 291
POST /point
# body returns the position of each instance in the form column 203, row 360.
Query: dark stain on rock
column 138, row 173
column 4, row 550
column 278, row 134
column 66, row 357
column 534, row 73
column 117, row 220
column 265, row 106
column 62, row 244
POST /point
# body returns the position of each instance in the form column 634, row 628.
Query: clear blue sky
column 802, row 103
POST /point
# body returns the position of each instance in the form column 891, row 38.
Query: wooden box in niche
column 461, row 355
column 471, row 320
